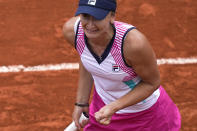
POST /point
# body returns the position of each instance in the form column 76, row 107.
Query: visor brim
column 97, row 13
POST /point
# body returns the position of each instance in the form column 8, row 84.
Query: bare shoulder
column 68, row 30
column 139, row 54
column 136, row 41
column 137, row 47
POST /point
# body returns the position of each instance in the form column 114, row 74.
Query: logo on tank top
column 115, row 68
column 92, row 2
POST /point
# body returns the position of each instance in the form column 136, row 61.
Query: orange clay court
column 31, row 35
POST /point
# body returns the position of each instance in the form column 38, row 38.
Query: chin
column 92, row 35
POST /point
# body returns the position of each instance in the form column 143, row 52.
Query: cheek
column 83, row 22
column 105, row 26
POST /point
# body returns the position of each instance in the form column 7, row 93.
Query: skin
column 138, row 53
column 97, row 30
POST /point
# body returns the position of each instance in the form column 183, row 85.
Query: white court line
column 74, row 66
column 191, row 60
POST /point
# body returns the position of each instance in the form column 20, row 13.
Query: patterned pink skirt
column 162, row 116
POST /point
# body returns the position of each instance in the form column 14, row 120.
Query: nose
column 91, row 22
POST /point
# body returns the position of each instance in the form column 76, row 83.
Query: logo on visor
column 92, row 2
column 115, row 68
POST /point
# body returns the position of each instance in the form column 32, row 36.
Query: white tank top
column 113, row 78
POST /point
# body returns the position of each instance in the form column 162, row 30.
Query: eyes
column 88, row 17
column 85, row 15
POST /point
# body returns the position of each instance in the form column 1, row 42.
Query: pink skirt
column 162, row 116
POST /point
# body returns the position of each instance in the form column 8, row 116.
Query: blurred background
column 31, row 35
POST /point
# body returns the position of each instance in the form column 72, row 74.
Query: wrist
column 82, row 104
column 114, row 107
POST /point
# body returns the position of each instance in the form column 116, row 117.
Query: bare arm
column 83, row 94
column 138, row 54
column 141, row 57
column 85, row 79
column 68, row 30
column 84, row 85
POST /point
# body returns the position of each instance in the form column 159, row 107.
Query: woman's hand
column 76, row 116
column 103, row 116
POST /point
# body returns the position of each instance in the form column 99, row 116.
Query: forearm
column 138, row 94
column 84, row 85
column 83, row 93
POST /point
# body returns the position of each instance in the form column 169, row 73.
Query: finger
column 77, row 124
column 84, row 123
column 105, row 121
column 76, row 117
column 98, row 116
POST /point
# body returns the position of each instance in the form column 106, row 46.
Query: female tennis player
column 119, row 61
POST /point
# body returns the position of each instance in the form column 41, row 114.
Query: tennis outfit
column 113, row 78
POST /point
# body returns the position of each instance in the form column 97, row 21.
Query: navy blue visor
column 96, row 8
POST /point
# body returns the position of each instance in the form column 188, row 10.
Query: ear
column 112, row 19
